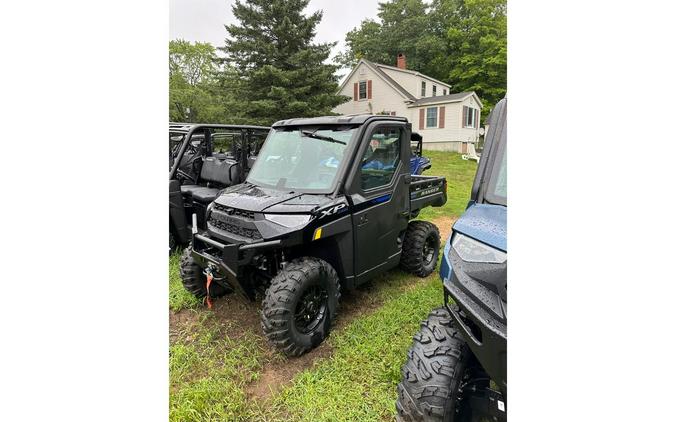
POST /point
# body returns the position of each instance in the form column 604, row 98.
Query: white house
column 447, row 121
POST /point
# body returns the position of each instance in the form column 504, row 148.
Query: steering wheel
column 185, row 175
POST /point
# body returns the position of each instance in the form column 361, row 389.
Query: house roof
column 412, row 72
column 443, row 99
column 388, row 79
column 410, row 98
column 377, row 68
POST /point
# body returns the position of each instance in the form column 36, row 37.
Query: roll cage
column 187, row 132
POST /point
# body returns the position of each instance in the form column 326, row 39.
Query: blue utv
column 456, row 368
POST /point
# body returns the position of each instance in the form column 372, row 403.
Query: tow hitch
column 209, row 278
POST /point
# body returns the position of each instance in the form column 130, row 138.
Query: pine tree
column 281, row 72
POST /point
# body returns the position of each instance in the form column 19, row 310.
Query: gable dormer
column 416, row 83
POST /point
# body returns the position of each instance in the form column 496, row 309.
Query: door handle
column 363, row 220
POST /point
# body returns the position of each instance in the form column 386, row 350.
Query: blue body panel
column 417, row 163
column 483, row 222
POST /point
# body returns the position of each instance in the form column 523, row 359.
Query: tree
column 195, row 83
column 281, row 73
column 406, row 28
column 461, row 42
column 477, row 38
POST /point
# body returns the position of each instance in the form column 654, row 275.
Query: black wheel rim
column 311, row 309
column 429, row 250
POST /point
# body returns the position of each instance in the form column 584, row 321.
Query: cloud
column 204, row 20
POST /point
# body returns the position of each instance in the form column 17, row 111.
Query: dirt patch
column 278, row 371
column 360, row 301
column 445, row 226
column 242, row 314
column 182, row 322
column 281, row 370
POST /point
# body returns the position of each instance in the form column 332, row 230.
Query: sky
column 204, row 20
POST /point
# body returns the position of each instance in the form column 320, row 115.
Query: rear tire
column 420, row 248
column 194, row 279
column 300, row 305
column 439, row 362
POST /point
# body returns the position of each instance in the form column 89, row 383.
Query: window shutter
column 356, row 91
column 464, row 116
column 370, row 89
column 441, row 118
column 421, row 118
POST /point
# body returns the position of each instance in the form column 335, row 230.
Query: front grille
column 249, row 215
column 233, row 229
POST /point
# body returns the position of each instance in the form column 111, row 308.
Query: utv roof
column 186, row 127
column 350, row 119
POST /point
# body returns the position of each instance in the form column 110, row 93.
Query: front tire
column 439, row 365
column 172, row 242
column 420, row 248
column 194, row 279
column 300, row 305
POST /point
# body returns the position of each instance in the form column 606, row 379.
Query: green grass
column 179, row 298
column 358, row 382
column 209, row 371
column 459, row 174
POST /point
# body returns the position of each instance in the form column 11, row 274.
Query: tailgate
column 427, row 191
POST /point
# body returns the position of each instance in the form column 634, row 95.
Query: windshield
column 303, row 159
column 496, row 192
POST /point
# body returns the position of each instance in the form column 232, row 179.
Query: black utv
column 327, row 206
column 459, row 355
column 203, row 160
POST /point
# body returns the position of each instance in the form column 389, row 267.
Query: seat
column 199, row 193
column 204, row 194
column 217, row 174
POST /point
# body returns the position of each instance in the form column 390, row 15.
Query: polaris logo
column 332, row 210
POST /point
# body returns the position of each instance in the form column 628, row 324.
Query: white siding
column 413, row 83
column 452, row 137
column 408, row 81
column 453, row 132
column 385, row 98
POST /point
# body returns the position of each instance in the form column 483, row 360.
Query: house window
column 445, row 92
column 470, row 115
column 424, row 88
column 363, row 87
column 433, row 91
column 432, row 117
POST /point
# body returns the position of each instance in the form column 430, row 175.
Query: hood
column 485, row 223
column 258, row 199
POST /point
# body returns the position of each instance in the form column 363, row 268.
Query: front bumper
column 476, row 288
column 228, row 258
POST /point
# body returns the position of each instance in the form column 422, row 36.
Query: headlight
column 473, row 251
column 288, row 220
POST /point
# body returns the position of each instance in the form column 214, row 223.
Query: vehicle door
column 379, row 193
